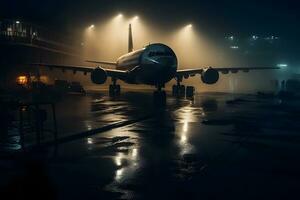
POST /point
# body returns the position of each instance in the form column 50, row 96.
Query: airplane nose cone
column 167, row 62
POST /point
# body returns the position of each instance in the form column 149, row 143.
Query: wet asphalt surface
column 217, row 145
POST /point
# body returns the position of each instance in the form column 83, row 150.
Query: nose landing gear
column 159, row 97
column 114, row 89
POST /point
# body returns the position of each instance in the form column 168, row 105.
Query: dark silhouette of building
column 22, row 43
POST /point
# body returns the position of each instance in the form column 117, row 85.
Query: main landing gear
column 114, row 89
column 183, row 91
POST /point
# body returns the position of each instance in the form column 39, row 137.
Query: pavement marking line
column 93, row 131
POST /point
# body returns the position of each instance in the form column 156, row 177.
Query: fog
column 193, row 45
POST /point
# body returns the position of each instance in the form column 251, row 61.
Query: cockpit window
column 159, row 53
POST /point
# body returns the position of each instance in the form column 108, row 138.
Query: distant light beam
column 282, row 65
column 135, row 18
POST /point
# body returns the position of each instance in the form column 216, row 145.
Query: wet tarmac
column 217, row 145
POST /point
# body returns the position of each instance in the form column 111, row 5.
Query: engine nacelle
column 98, row 75
column 210, row 76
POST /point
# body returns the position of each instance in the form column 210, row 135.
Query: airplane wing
column 85, row 69
column 102, row 62
column 223, row 70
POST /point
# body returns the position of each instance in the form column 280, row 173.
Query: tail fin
column 130, row 41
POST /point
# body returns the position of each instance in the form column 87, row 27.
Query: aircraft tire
column 118, row 90
column 175, row 90
column 114, row 90
column 181, row 91
column 190, row 91
column 111, row 90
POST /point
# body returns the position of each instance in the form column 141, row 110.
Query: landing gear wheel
column 159, row 98
column 111, row 90
column 114, row 90
column 178, row 90
column 190, row 91
column 175, row 90
column 181, row 91
column 118, row 90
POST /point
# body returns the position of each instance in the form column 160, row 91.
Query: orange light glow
column 44, row 79
column 22, row 80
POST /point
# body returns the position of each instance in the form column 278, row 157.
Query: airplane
column 155, row 64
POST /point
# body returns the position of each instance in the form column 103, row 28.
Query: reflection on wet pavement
column 205, row 148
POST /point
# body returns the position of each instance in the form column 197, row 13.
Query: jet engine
column 98, row 75
column 210, row 76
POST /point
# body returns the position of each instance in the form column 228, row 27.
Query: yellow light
column 183, row 138
column 92, row 26
column 119, row 174
column 120, row 15
column 189, row 26
column 118, row 159
column 22, row 80
column 134, row 153
column 90, row 141
column 185, row 126
column 44, row 79
column 135, row 18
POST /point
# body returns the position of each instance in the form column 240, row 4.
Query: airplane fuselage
column 155, row 64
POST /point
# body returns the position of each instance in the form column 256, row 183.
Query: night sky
column 221, row 17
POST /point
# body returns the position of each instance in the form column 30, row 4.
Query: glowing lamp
column 22, row 80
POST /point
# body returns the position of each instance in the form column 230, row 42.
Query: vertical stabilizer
column 130, row 41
